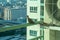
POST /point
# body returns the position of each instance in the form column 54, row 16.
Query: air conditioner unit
column 52, row 15
column 52, row 11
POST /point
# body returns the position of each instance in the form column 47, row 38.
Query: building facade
column 33, row 11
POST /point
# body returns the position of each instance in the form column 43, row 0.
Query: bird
column 42, row 23
column 30, row 20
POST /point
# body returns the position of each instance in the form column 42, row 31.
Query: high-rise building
column 7, row 14
column 33, row 11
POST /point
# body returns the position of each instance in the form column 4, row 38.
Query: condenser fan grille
column 53, row 8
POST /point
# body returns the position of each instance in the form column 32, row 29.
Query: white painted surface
column 34, row 28
column 33, row 4
column 46, row 34
column 54, row 28
column 33, row 16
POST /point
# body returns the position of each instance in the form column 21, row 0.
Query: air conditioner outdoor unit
column 52, row 11
column 52, row 15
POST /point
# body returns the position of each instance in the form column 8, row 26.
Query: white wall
column 46, row 34
column 35, row 4
column 34, row 16
column 34, row 28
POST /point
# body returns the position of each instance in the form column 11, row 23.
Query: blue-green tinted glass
column 33, row 33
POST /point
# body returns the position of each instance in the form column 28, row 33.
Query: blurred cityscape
column 12, row 13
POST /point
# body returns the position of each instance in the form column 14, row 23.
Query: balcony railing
column 37, row 38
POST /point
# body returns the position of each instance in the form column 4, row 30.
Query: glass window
column 42, row 19
column 33, row 33
column 33, row 9
column 42, row 7
column 42, row 1
column 42, row 11
column 42, row 32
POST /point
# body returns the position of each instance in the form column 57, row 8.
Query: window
column 33, row 33
column 42, row 7
column 42, row 31
column 33, row 9
column 42, row 1
column 42, row 19
column 42, row 11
